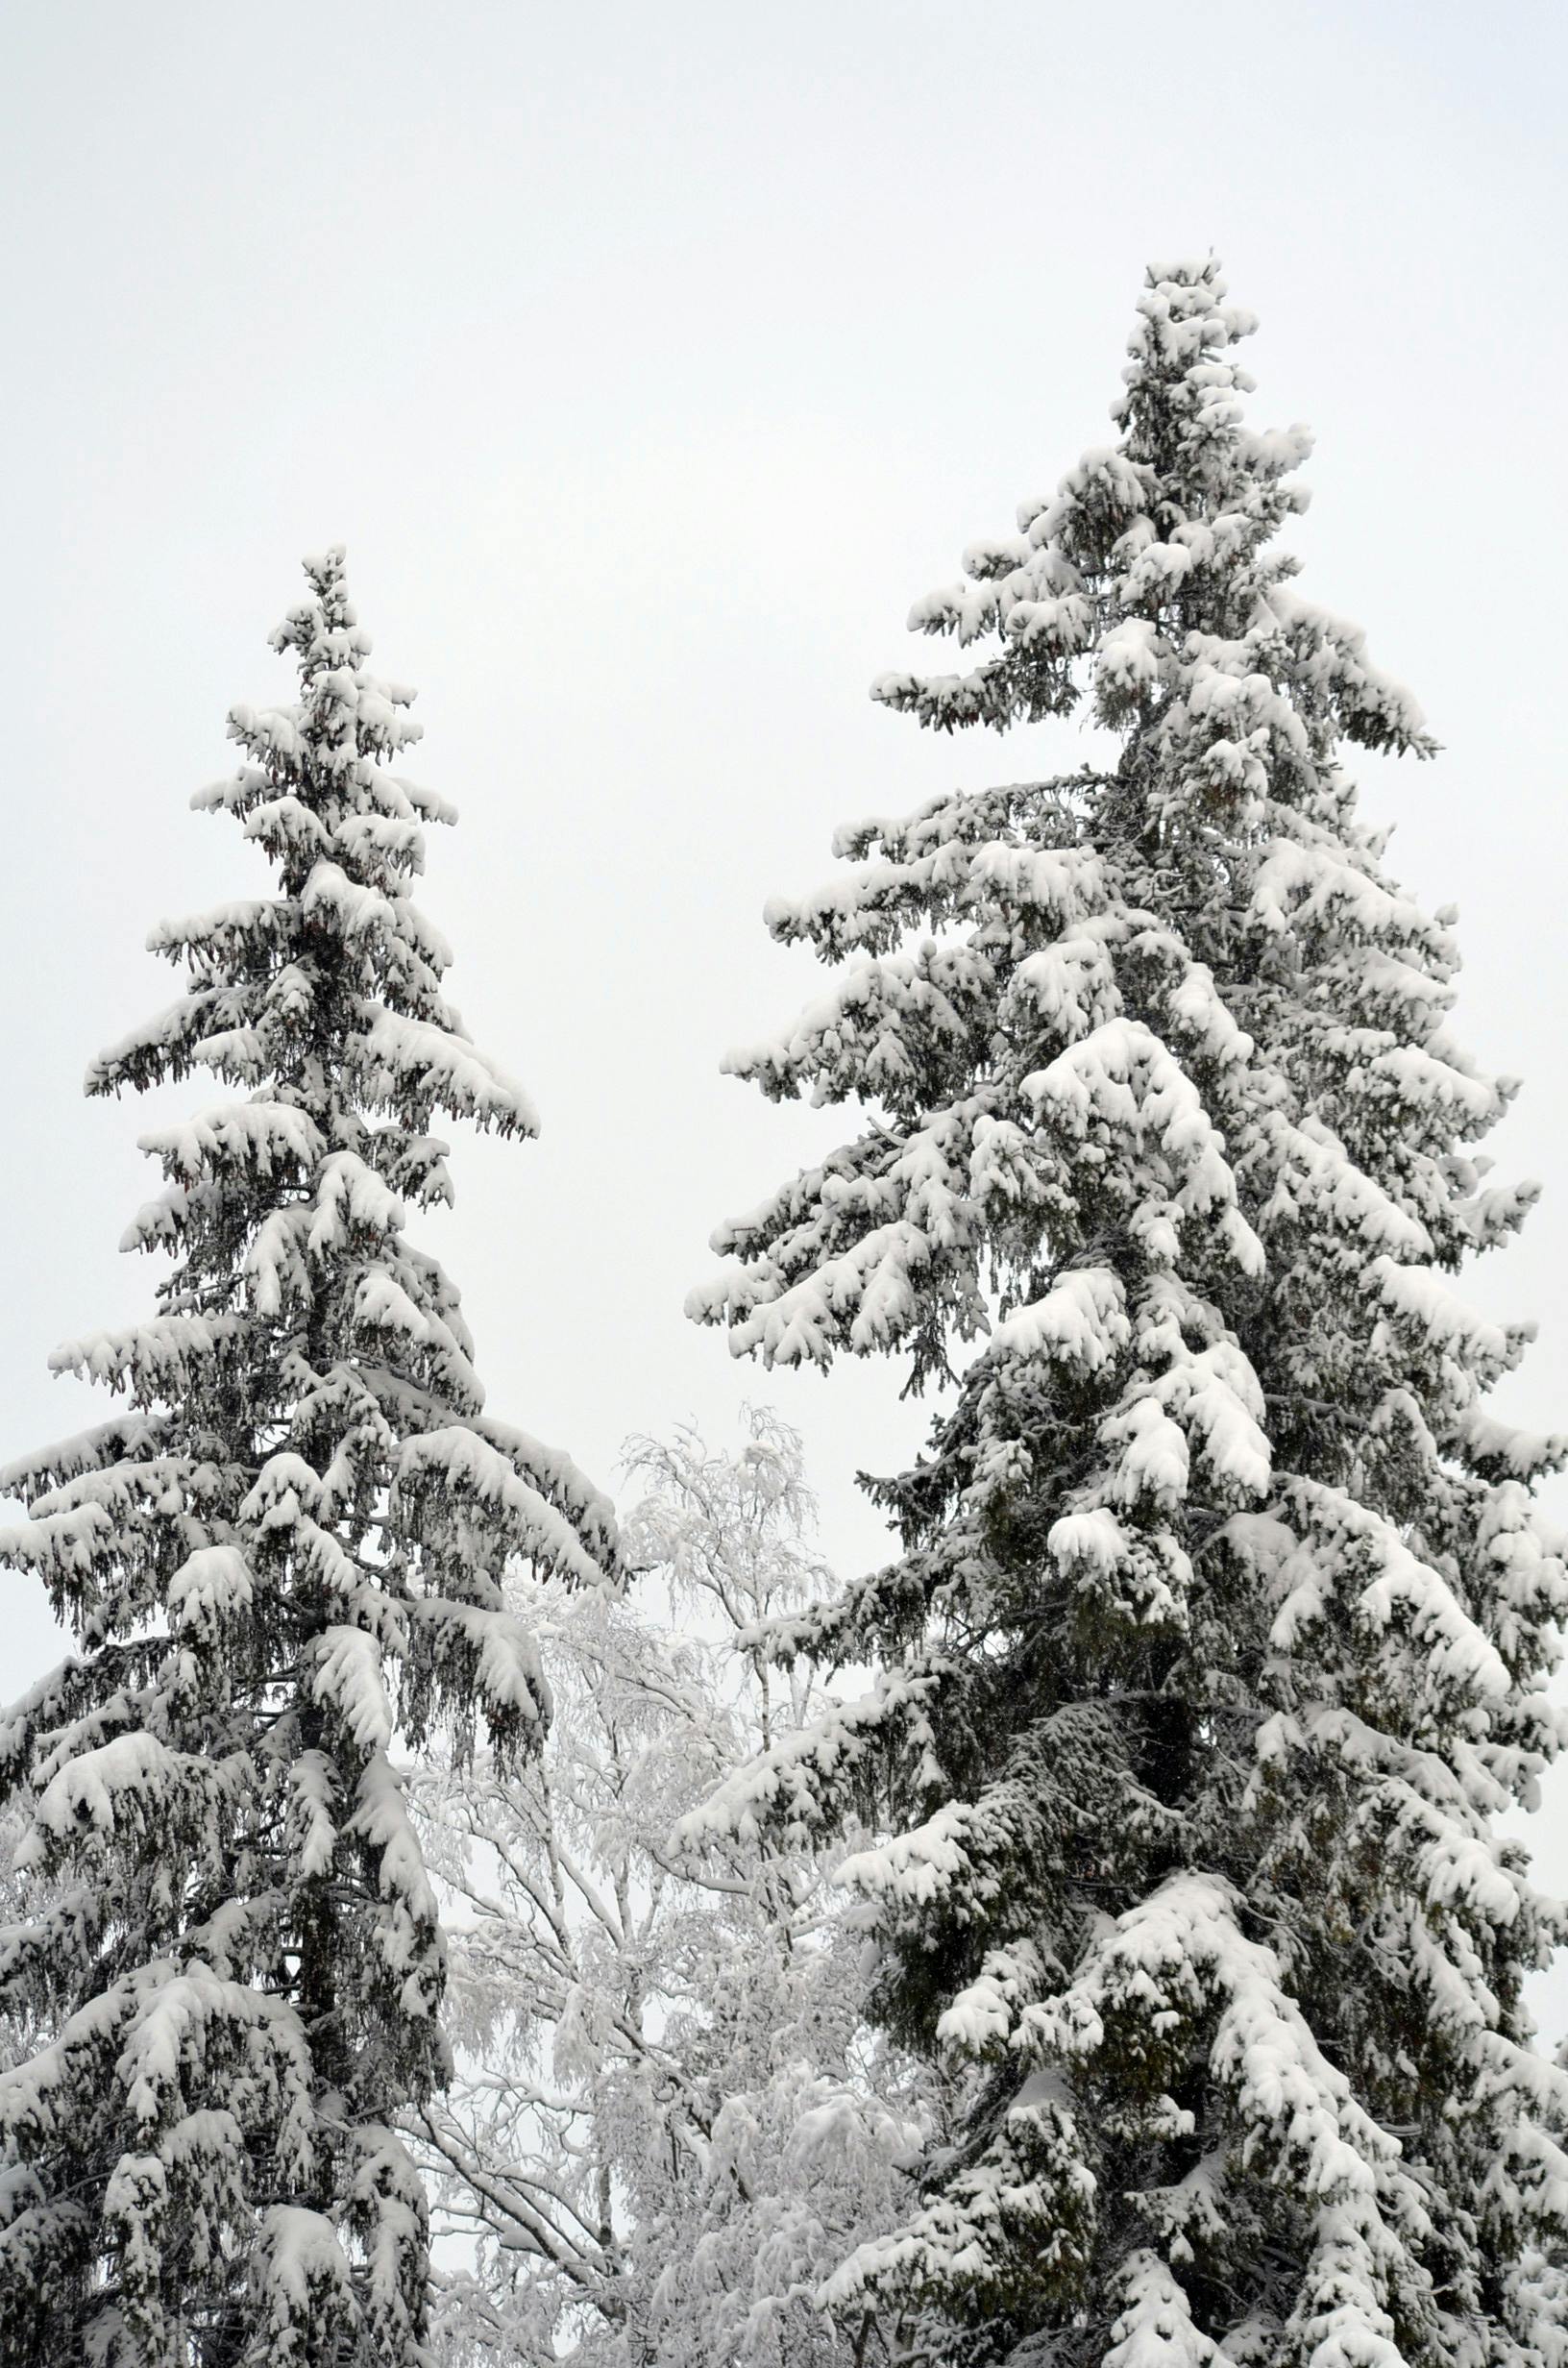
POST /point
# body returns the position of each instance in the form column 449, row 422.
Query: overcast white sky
column 650, row 361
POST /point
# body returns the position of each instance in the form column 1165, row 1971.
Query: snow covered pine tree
column 291, row 1541
column 1223, row 1616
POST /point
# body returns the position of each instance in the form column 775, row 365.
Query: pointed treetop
column 1149, row 561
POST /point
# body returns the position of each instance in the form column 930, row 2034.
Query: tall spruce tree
column 1223, row 1616
column 286, row 1551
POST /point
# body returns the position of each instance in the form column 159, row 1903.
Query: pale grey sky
column 651, row 361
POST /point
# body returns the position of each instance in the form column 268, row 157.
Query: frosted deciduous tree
column 288, row 1545
column 1222, row 1622
column 671, row 2119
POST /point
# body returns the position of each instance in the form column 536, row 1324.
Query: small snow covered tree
column 288, row 1547
column 669, row 2119
column 1223, row 1617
